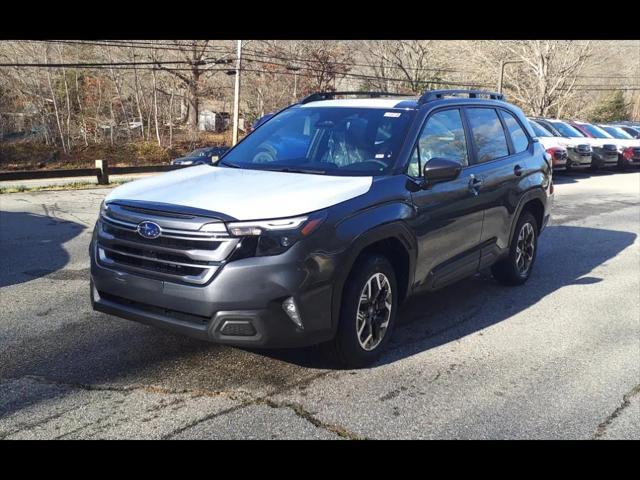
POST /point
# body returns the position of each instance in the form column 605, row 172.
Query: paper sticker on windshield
column 392, row 114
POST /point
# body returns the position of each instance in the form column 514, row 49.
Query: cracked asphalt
column 557, row 358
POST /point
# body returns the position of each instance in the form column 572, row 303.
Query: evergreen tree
column 611, row 109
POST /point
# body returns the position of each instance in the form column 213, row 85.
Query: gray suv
column 316, row 226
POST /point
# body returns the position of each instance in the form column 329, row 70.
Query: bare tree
column 546, row 77
column 415, row 63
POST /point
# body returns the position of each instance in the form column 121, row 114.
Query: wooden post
column 103, row 176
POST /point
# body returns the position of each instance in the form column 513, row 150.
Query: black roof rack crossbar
column 431, row 95
column 317, row 96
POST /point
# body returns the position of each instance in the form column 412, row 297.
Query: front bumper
column 241, row 305
column 577, row 160
column 602, row 158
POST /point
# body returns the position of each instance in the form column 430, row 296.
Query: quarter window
column 518, row 136
column 442, row 136
column 488, row 134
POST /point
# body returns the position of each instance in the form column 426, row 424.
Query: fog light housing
column 291, row 309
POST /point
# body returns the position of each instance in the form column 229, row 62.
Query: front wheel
column 516, row 268
column 367, row 314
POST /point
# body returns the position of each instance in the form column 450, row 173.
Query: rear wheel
column 367, row 314
column 516, row 268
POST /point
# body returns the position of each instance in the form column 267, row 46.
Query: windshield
column 539, row 130
column 567, row 130
column 332, row 140
column 597, row 132
column 616, row 132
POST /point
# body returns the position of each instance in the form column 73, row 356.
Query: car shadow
column 90, row 348
column 563, row 177
column 31, row 245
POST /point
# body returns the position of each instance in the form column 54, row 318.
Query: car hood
column 551, row 142
column 244, row 194
column 568, row 141
column 626, row 142
column 598, row 142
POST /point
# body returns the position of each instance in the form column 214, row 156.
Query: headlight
column 184, row 162
column 240, row 229
column 272, row 237
column 104, row 208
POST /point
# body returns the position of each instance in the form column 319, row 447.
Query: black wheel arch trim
column 397, row 230
column 535, row 193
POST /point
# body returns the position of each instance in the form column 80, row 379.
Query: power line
column 255, row 53
column 151, row 45
column 166, row 46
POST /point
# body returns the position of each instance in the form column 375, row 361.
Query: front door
column 448, row 223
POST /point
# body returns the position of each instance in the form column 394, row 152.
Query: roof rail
column 317, row 96
column 431, row 95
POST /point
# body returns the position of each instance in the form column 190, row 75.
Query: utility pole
column 501, row 74
column 295, row 71
column 236, row 96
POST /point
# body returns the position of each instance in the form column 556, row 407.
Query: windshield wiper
column 297, row 170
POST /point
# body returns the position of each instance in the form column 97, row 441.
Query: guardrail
column 101, row 171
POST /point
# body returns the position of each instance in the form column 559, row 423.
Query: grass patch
column 67, row 186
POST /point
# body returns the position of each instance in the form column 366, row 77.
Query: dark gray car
column 391, row 197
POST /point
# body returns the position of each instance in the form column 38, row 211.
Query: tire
column 347, row 347
column 514, row 269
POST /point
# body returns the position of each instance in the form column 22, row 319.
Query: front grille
column 583, row 149
column 127, row 234
column 188, row 317
column 560, row 155
column 177, row 255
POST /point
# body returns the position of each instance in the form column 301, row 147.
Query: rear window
column 488, row 134
column 518, row 136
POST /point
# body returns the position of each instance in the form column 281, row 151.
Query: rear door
column 501, row 150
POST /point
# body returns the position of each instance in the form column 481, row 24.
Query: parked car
column 607, row 151
column 630, row 151
column 554, row 147
column 201, row 156
column 632, row 130
column 392, row 197
column 602, row 153
column 579, row 151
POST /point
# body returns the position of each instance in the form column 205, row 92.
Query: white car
column 553, row 146
column 578, row 153
column 604, row 152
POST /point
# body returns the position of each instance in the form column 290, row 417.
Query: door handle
column 474, row 184
column 517, row 170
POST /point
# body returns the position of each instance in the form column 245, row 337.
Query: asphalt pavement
column 558, row 358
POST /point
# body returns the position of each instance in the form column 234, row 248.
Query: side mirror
column 440, row 170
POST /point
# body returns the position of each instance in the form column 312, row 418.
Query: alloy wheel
column 374, row 311
column 525, row 248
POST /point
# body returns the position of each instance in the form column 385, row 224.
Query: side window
column 518, row 136
column 442, row 136
column 488, row 134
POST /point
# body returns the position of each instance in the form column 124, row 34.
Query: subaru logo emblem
column 149, row 230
